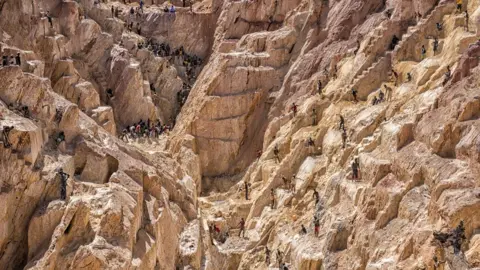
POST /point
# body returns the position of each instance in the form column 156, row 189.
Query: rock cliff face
column 143, row 137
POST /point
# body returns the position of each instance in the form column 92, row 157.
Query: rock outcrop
column 240, row 134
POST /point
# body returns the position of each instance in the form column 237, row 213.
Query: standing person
column 242, row 228
column 319, row 87
column 276, row 152
column 63, row 183
column 354, row 94
column 17, row 60
column 272, row 198
column 141, row 5
column 314, row 117
column 435, row 45
column 448, row 75
column 355, row 166
column 303, row 230
column 4, row 60
column 466, row 20
column 316, row 224
column 294, row 109
column 459, row 5
column 388, row 92
column 316, row 196
column 246, row 190
column 267, row 255
column 357, row 48
column 279, row 258
column 341, row 123
column 395, row 75
column 112, row 9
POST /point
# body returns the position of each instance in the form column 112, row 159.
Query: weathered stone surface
column 249, row 115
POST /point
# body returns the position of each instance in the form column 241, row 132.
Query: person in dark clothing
column 357, row 48
column 439, row 26
column 113, row 11
column 49, row 18
column 276, row 153
column 242, row 228
column 344, row 138
column 314, row 117
column 303, row 230
column 272, row 198
column 25, row 111
column 319, row 87
column 341, row 123
column 435, row 45
column 354, row 170
column 394, row 42
column 354, row 94
column 58, row 115
column 316, row 196
column 60, row 138
column 310, row 142
column 294, row 109
column 448, row 75
column 381, row 96
column 63, row 183
column 316, row 225
column 279, row 258
column 395, row 75
column 4, row 60
column 467, row 18
column 17, row 60
column 246, row 184
column 6, row 131
column 109, row 93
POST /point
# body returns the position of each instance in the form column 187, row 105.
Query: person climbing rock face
column 63, row 183
column 276, row 153
column 447, row 76
column 49, row 18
